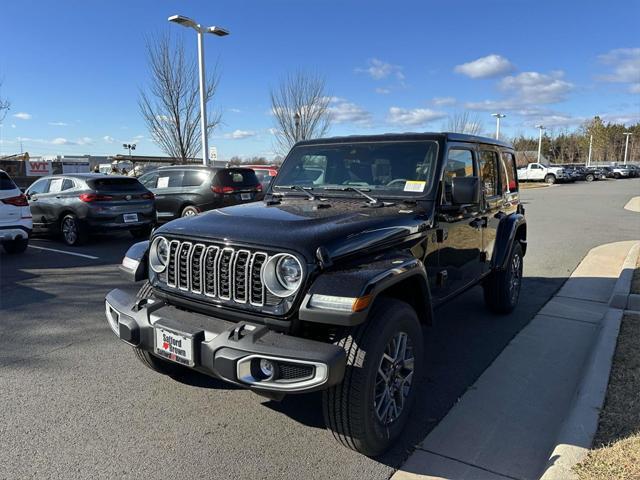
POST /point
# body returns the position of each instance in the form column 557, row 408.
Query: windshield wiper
column 299, row 188
column 373, row 202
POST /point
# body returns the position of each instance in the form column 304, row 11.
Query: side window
column 56, row 185
column 194, row 178
column 149, row 180
column 67, row 184
column 170, row 179
column 489, row 172
column 535, row 166
column 508, row 176
column 459, row 164
column 41, row 186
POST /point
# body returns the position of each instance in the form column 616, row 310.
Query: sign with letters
column 38, row 168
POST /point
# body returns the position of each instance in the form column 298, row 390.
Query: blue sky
column 72, row 69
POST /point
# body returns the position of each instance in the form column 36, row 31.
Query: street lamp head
column 498, row 115
column 182, row 20
column 541, row 127
column 219, row 31
column 133, row 146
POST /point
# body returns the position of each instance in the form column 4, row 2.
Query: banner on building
column 38, row 168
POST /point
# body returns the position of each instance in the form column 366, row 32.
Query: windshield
column 395, row 169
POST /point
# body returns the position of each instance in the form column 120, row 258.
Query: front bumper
column 228, row 350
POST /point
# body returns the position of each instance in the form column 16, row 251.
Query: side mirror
column 465, row 190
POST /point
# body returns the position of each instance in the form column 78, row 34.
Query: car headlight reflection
column 159, row 254
column 282, row 275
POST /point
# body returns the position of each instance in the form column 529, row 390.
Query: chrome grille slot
column 184, row 266
column 256, row 288
column 240, row 275
column 224, row 273
column 219, row 273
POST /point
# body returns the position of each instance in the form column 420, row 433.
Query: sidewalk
column 506, row 425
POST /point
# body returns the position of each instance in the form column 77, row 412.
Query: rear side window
column 56, row 185
column 6, row 183
column 237, row 177
column 169, row 178
column 508, row 176
column 67, row 184
column 489, row 172
column 116, row 184
column 459, row 164
column 194, row 178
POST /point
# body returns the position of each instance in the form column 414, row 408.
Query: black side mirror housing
column 465, row 190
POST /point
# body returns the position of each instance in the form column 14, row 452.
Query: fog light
column 267, row 368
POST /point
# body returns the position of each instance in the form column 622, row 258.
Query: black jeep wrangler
column 328, row 282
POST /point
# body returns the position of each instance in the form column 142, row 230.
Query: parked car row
column 75, row 205
column 570, row 173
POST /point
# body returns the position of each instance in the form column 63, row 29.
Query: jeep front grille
column 217, row 272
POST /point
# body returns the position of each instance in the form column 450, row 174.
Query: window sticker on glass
column 163, row 182
column 414, row 186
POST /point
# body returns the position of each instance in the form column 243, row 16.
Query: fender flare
column 382, row 277
column 508, row 229
column 134, row 264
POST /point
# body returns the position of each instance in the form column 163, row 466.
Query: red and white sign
column 38, row 168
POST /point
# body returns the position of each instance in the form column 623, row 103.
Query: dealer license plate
column 130, row 217
column 245, row 196
column 174, row 346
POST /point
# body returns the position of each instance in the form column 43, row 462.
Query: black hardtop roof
column 396, row 137
column 200, row 167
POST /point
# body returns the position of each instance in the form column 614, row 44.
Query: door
column 536, row 172
column 491, row 201
column 458, row 229
column 166, row 185
column 34, row 193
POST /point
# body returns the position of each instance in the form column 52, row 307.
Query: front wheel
column 589, row 178
column 550, row 179
column 190, row 211
column 368, row 411
column 73, row 231
column 19, row 245
column 502, row 287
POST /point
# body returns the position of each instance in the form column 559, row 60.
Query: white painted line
column 65, row 252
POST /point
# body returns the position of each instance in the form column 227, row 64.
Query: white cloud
column 537, row 88
column 441, row 101
column 109, row 139
column 61, row 141
column 343, row 111
column 22, row 116
column 490, row 66
column 383, row 91
column 240, row 134
column 58, row 124
column 235, row 110
column 625, row 65
column 65, row 141
column 378, row 70
column 413, row 117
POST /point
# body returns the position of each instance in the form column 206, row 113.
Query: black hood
column 299, row 225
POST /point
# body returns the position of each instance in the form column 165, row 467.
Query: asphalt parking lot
column 76, row 404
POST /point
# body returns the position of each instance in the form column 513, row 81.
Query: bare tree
column 300, row 106
column 5, row 105
column 464, row 122
column 171, row 107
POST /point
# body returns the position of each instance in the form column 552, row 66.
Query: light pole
column 130, row 146
column 626, row 145
column 498, row 117
column 590, row 148
column 541, row 128
column 221, row 32
column 296, row 120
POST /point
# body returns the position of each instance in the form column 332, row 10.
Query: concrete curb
column 576, row 434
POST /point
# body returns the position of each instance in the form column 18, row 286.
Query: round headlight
column 282, row 275
column 159, row 254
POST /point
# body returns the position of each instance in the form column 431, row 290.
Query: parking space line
column 65, row 252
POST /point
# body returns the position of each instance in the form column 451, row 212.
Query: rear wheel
column 617, row 176
column 18, row 245
column 502, row 288
column 73, row 231
column 589, row 177
column 190, row 211
column 368, row 411
column 550, row 179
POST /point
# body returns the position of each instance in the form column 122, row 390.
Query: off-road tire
column 189, row 211
column 550, row 179
column 19, row 245
column 147, row 359
column 348, row 407
column 589, row 178
column 499, row 295
column 81, row 235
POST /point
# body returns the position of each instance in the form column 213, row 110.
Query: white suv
column 15, row 216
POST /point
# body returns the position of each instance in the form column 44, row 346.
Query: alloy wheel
column 394, row 378
column 70, row 230
column 515, row 278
